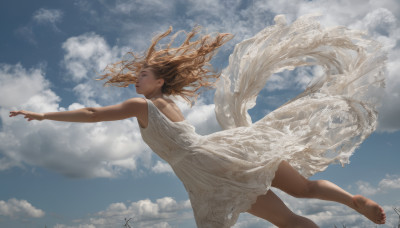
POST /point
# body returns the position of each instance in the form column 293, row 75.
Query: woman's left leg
column 290, row 181
column 272, row 209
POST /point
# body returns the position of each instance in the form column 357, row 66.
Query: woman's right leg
column 290, row 181
column 272, row 209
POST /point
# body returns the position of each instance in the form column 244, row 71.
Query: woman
column 231, row 171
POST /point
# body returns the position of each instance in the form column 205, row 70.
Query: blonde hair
column 185, row 69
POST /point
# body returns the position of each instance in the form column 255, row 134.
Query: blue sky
column 95, row 175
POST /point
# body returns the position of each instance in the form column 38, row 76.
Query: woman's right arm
column 133, row 107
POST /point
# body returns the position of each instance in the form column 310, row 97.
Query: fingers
column 21, row 112
column 29, row 116
column 15, row 113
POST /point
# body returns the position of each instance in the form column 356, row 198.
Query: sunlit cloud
column 163, row 212
column 15, row 208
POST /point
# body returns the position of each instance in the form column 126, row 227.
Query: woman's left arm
column 129, row 108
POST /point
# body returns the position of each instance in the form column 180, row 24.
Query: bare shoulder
column 136, row 101
column 137, row 106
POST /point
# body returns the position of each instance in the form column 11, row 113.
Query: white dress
column 224, row 172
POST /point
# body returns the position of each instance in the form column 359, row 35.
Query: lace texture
column 224, row 172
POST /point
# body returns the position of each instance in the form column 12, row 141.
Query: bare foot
column 369, row 209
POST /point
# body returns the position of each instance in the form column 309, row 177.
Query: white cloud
column 162, row 167
column 299, row 78
column 380, row 21
column 48, row 16
column 15, row 208
column 365, row 188
column 390, row 183
column 85, row 53
column 51, row 16
column 18, row 84
column 202, row 116
column 85, row 58
column 386, row 184
column 163, row 212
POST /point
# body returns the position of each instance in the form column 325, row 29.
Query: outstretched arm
column 133, row 107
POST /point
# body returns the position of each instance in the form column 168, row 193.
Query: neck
column 155, row 94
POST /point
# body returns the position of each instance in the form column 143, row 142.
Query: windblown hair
column 185, row 69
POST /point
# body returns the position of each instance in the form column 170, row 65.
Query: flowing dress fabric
column 226, row 171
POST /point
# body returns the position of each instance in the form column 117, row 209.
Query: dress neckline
column 184, row 120
column 150, row 102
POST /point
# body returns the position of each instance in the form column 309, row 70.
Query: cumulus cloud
column 386, row 184
column 19, row 84
column 85, row 57
column 87, row 52
column 163, row 212
column 15, row 208
column 75, row 150
column 202, row 116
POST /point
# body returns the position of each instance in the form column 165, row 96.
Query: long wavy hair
column 185, row 69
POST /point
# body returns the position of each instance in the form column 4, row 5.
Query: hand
column 28, row 115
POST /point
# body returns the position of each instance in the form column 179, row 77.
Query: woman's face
column 147, row 83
